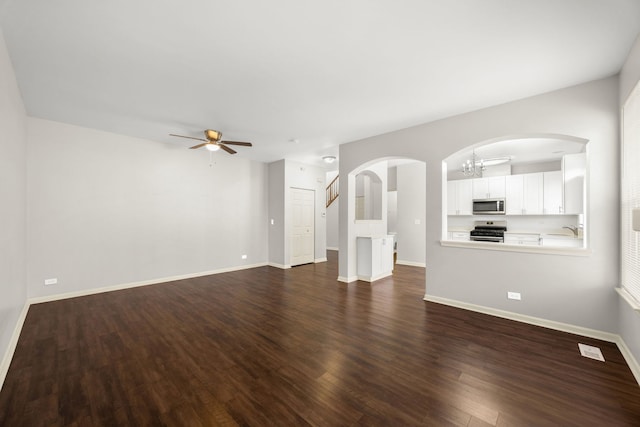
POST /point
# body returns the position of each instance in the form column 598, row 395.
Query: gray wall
column 106, row 209
column 411, row 207
column 630, row 319
column 300, row 175
column 577, row 290
column 283, row 176
column 13, row 142
column 276, row 213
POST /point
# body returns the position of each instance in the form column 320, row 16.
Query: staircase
column 332, row 191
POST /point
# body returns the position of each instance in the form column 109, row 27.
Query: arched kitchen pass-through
column 523, row 193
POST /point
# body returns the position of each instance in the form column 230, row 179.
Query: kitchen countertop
column 558, row 234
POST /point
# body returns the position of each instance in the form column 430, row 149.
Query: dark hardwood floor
column 266, row 347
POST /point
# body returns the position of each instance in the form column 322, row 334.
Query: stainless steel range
column 488, row 231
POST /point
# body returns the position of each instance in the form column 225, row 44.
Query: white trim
column 634, row 303
column 13, row 343
column 281, row 266
column 317, row 260
column 375, row 277
column 347, row 279
column 331, row 248
column 628, row 356
column 545, row 250
column 411, row 263
column 551, row 324
column 93, row 291
column 558, row 326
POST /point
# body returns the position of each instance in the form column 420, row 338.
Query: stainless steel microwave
column 488, row 207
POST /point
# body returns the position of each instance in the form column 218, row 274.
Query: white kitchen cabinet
column 459, row 236
column 533, row 193
column 459, row 200
column 514, row 190
column 573, row 172
column 522, row 239
column 489, row 188
column 374, row 257
column 524, row 194
column 553, row 199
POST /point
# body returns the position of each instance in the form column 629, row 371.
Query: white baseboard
column 331, row 248
column 558, row 326
column 411, row 263
column 628, row 356
column 317, row 260
column 280, row 266
column 374, row 278
column 86, row 292
column 347, row 279
column 13, row 343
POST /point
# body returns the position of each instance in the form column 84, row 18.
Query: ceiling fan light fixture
column 329, row 159
column 212, row 147
column 212, row 135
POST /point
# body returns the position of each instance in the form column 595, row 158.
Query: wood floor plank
column 295, row 347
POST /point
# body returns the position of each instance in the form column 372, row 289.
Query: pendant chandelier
column 473, row 167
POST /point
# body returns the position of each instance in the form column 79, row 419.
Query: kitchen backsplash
column 534, row 223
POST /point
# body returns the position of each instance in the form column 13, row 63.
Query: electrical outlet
column 272, row 221
column 48, row 282
column 244, row 257
column 514, row 295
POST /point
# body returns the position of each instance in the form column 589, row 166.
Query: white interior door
column 302, row 226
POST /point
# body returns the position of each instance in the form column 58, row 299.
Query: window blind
column 630, row 194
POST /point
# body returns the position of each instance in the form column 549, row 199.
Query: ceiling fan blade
column 227, row 149
column 190, row 137
column 199, row 145
column 244, row 144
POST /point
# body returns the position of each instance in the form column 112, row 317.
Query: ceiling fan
column 214, row 141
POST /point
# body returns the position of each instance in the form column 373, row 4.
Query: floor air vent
column 591, row 352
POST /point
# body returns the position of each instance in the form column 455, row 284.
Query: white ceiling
column 299, row 77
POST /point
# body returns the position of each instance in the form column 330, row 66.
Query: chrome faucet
column 573, row 229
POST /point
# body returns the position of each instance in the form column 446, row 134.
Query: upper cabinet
column 553, row 193
column 524, row 194
column 459, row 197
column 489, row 188
column 559, row 192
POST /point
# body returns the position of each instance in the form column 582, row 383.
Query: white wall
column 411, row 209
column 13, row 143
column 630, row 319
column 106, row 209
column 571, row 289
